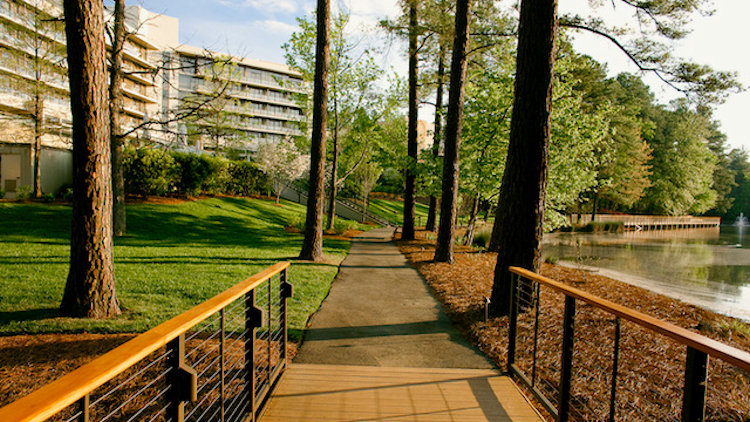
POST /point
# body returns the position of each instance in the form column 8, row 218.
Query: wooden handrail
column 56, row 396
column 730, row 354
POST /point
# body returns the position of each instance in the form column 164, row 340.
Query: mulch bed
column 651, row 367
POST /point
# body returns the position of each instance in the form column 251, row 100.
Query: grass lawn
column 174, row 257
column 394, row 210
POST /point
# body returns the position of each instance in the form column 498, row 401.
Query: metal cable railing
column 606, row 350
column 218, row 361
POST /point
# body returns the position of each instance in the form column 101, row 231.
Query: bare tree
column 90, row 288
column 449, row 196
column 312, row 247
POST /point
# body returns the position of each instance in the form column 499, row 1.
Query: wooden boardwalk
column 311, row 392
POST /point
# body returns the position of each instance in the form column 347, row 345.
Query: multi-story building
column 35, row 96
column 251, row 101
column 258, row 100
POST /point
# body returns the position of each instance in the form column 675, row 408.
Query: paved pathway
column 380, row 313
column 382, row 349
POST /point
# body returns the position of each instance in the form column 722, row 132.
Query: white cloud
column 277, row 27
column 274, row 6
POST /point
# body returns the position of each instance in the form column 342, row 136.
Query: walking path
column 376, row 326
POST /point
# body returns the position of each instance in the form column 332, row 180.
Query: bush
column 201, row 173
column 48, row 197
column 23, row 193
column 149, row 171
column 245, row 178
column 2, row 194
column 482, row 238
column 341, row 226
column 297, row 223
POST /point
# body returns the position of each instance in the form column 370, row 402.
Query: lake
column 709, row 268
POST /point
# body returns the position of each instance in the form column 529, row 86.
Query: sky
column 257, row 29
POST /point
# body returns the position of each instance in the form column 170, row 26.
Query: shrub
column 194, row 172
column 341, row 226
column 48, row 197
column 23, row 192
column 245, row 178
column 297, row 223
column 482, row 238
column 149, row 171
column 2, row 194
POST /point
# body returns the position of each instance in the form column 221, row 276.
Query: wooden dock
column 650, row 222
column 369, row 393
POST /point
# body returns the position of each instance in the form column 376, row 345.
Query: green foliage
column 48, row 197
column 482, row 237
column 739, row 163
column 157, row 172
column 682, row 164
column 201, row 173
column 149, row 171
column 341, row 226
column 23, row 192
column 245, row 178
column 2, row 194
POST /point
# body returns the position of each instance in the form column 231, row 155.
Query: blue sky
column 257, row 29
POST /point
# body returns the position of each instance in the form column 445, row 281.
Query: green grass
column 173, row 258
column 394, row 210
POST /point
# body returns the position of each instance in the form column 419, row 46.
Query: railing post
column 566, row 370
column 182, row 378
column 694, row 393
column 253, row 320
column 513, row 298
column 287, row 291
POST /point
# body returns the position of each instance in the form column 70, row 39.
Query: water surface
column 709, row 268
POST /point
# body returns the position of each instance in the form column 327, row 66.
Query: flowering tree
column 282, row 162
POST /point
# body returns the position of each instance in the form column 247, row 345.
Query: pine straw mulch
column 28, row 362
column 651, row 367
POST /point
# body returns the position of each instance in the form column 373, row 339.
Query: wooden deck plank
column 311, row 392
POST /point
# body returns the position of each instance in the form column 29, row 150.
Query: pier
column 649, row 222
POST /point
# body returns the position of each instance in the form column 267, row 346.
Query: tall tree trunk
column 520, row 214
column 334, row 167
column 410, row 190
column 432, row 213
column 38, row 132
column 312, row 247
column 471, row 228
column 115, row 131
column 90, row 288
column 449, row 197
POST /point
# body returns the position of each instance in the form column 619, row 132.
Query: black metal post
column 694, row 393
column 513, row 322
column 182, row 378
column 566, row 370
column 287, row 290
column 615, row 363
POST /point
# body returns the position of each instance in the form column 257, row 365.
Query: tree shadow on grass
column 29, row 315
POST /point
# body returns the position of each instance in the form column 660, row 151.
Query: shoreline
column 662, row 289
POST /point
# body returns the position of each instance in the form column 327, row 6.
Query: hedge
column 159, row 172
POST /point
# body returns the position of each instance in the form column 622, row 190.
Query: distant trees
column 523, row 193
column 90, row 287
